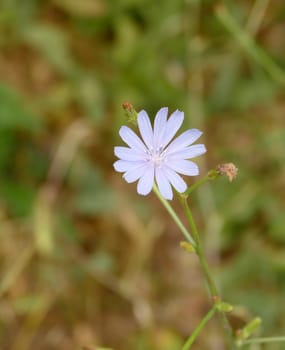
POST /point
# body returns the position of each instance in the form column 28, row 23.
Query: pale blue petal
column 187, row 153
column 184, row 167
column 135, row 173
column 131, row 139
column 159, row 128
column 124, row 165
column 163, row 184
column 145, row 128
column 130, row 154
column 173, row 124
column 184, row 140
column 146, row 181
column 176, row 180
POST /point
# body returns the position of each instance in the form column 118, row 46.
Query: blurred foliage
column 85, row 261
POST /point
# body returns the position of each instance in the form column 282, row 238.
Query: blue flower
column 155, row 157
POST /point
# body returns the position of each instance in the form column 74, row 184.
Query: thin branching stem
column 205, row 267
column 174, row 216
column 198, row 329
column 199, row 250
column 211, row 175
column 264, row 340
column 194, row 240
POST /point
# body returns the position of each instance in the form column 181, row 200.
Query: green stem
column 199, row 250
column 198, row 329
column 211, row 175
column 174, row 216
column 194, row 240
column 264, row 340
column 205, row 267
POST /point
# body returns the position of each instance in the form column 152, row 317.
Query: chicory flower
column 156, row 156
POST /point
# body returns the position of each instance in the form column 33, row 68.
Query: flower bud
column 130, row 112
column 224, row 307
column 247, row 330
column 187, row 246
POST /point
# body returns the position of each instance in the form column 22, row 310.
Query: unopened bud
column 188, row 247
column 224, row 307
column 130, row 112
column 127, row 106
column 245, row 332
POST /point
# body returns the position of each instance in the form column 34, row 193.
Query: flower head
column 228, row 169
column 155, row 157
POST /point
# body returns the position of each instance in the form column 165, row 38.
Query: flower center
column 156, row 156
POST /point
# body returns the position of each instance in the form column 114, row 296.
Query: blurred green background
column 84, row 261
